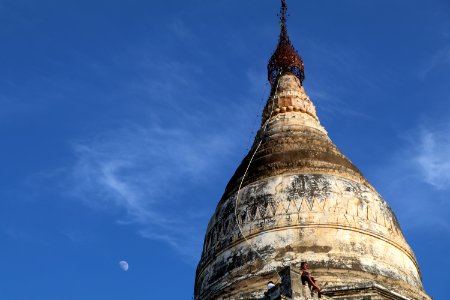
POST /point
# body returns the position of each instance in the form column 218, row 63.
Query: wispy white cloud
column 76, row 236
column 333, row 104
column 154, row 168
column 182, row 31
column 440, row 57
column 432, row 156
column 416, row 178
column 28, row 236
column 179, row 129
column 146, row 172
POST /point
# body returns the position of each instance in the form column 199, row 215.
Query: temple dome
column 301, row 199
column 295, row 197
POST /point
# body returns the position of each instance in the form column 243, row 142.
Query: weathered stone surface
column 292, row 141
column 301, row 199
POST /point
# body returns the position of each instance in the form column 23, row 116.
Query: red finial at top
column 285, row 58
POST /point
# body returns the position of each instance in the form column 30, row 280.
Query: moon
column 123, row 265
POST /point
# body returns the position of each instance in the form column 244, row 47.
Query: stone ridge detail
column 289, row 96
column 334, row 201
column 305, row 203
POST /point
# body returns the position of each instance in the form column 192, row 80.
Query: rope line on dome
column 243, row 177
column 257, row 121
column 284, row 59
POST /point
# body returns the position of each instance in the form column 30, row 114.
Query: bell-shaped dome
column 295, row 197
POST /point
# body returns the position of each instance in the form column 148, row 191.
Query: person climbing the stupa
column 307, row 278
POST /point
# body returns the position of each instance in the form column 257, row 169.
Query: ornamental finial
column 283, row 19
column 285, row 58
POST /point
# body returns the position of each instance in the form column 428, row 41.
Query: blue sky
column 122, row 121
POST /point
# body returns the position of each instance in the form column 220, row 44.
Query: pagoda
column 296, row 197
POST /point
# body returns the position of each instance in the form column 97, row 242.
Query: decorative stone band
column 314, row 205
column 356, row 291
column 305, row 200
column 289, row 96
column 289, row 101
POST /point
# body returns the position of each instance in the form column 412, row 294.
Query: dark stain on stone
column 309, row 187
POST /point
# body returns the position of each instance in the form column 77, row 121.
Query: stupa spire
column 283, row 19
column 285, row 58
column 296, row 197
